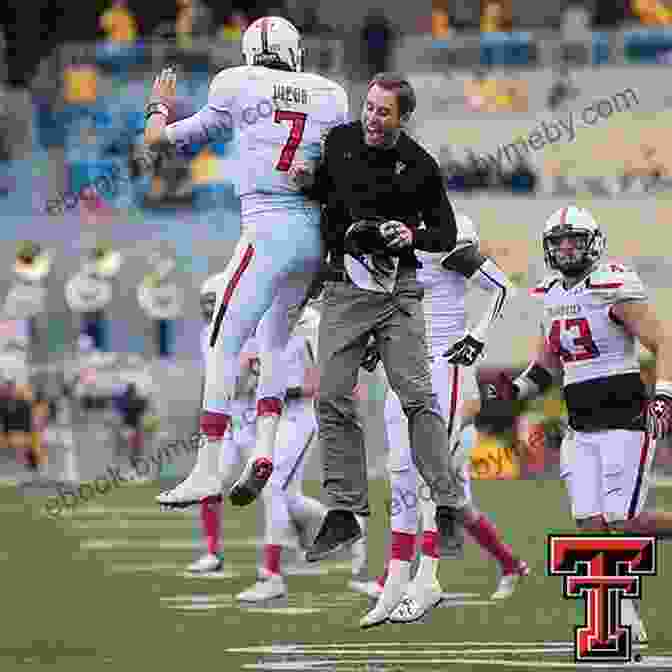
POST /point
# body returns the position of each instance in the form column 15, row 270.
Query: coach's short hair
column 394, row 81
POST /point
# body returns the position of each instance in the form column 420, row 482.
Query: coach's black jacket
column 355, row 181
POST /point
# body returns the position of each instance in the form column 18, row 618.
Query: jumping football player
column 279, row 115
column 595, row 313
column 446, row 279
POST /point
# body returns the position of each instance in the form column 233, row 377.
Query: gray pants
column 349, row 316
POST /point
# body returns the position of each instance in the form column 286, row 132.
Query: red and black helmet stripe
column 264, row 36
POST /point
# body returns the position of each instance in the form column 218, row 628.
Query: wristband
column 156, row 108
column 664, row 388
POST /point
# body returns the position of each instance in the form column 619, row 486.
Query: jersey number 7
column 298, row 120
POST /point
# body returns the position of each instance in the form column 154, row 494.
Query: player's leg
column 211, row 508
column 279, row 533
column 273, row 335
column 202, row 482
column 403, row 514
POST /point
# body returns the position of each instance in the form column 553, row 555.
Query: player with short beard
column 595, row 315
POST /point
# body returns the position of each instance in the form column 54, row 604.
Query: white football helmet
column 579, row 224
column 274, row 42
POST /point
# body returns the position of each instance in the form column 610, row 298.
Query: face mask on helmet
column 273, row 42
column 570, row 253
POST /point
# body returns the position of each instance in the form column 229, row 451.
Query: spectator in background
column 118, row 23
column 132, row 407
column 496, row 16
column 652, row 12
column 562, row 89
column 194, row 20
column 235, row 26
column 377, row 38
column 441, row 29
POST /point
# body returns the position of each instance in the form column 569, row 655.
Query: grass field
column 104, row 590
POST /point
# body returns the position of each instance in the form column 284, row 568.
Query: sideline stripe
column 298, row 648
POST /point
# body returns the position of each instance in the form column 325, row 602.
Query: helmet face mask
column 573, row 242
column 273, row 42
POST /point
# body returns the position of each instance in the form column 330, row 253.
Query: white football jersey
column 278, row 118
column 445, row 292
column 579, row 326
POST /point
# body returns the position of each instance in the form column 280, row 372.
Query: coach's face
column 380, row 117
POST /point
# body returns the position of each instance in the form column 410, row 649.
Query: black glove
column 659, row 416
column 465, row 351
column 371, row 358
column 365, row 237
column 502, row 389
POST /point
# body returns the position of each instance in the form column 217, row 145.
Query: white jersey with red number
column 277, row 118
column 581, row 329
column 445, row 293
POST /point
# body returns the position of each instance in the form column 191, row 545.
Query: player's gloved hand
column 162, row 98
column 659, row 416
column 502, row 389
column 396, row 234
column 371, row 358
column 465, row 351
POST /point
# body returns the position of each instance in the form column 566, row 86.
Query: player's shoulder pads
column 613, row 283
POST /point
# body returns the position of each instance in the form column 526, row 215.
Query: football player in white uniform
column 595, row 314
column 288, row 512
column 454, row 351
column 279, row 116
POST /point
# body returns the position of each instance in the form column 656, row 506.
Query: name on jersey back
column 290, row 94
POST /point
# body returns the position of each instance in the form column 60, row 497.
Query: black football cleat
column 339, row 530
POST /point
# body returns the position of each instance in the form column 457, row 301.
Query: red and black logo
column 602, row 569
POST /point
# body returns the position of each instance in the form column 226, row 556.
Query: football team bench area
column 104, row 589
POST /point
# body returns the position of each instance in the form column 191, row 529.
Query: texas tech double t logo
column 602, row 570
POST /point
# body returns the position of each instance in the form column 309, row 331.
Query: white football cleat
column 264, row 590
column 194, row 489
column 205, row 564
column 418, row 601
column 371, row 589
column 392, row 593
column 508, row 582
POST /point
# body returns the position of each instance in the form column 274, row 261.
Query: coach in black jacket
column 373, row 169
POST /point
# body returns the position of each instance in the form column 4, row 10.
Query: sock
column 214, row 426
column 402, row 550
column 211, row 517
column 272, row 558
column 486, row 535
column 383, row 577
column 428, row 568
column 268, row 419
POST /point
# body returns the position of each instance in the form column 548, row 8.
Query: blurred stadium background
column 493, row 78
column 87, row 231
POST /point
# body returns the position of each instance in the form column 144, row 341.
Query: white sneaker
column 195, row 488
column 371, row 589
column 417, row 602
column 392, row 594
column 508, row 582
column 205, row 564
column 264, row 590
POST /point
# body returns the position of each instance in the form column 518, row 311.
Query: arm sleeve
column 493, row 280
column 440, row 232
